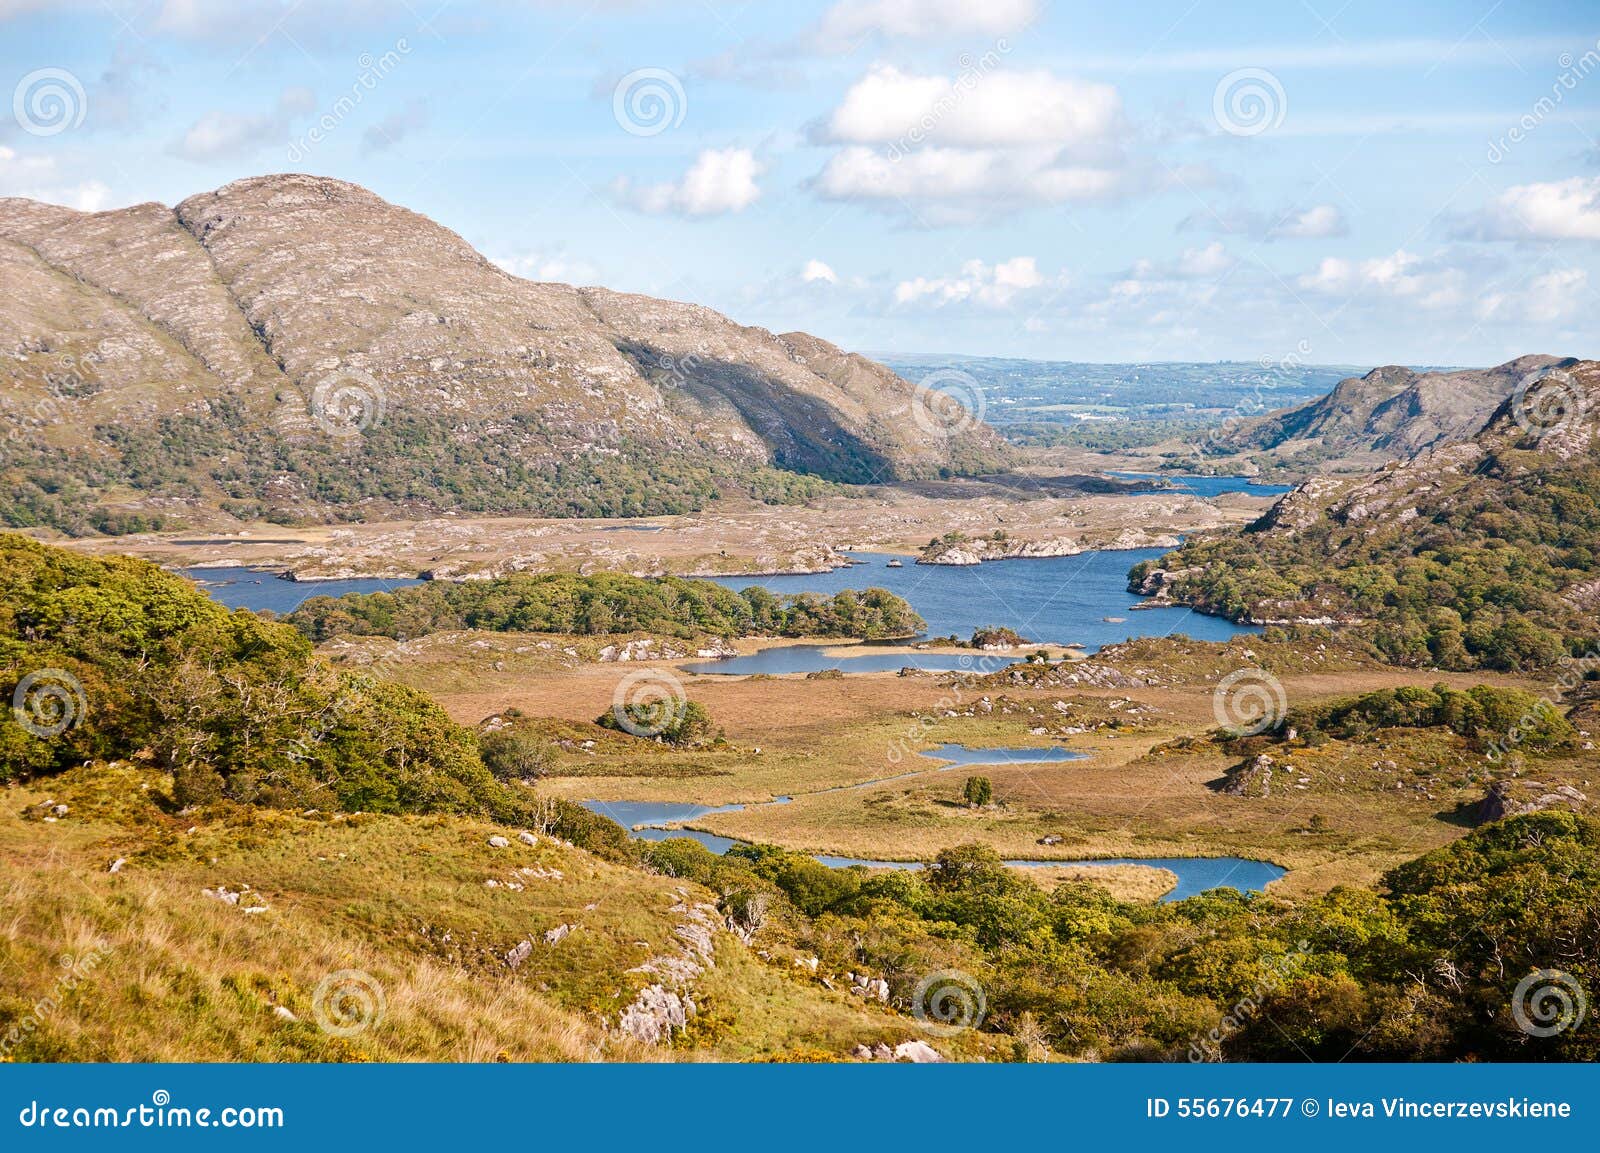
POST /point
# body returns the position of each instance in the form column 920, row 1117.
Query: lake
column 1205, row 487
column 1195, row 874
column 247, row 588
column 1056, row 600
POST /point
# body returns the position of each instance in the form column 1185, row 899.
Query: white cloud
column 1315, row 223
column 816, row 270
column 395, row 127
column 1402, row 275
column 1318, row 222
column 721, row 180
column 945, row 150
column 1561, row 210
column 994, row 286
column 555, row 267
column 997, row 109
column 979, row 179
column 224, row 135
column 1551, row 298
column 35, row 178
column 849, row 20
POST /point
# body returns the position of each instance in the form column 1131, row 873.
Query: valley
column 603, row 679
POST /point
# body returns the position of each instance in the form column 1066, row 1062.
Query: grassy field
column 139, row 964
column 843, row 749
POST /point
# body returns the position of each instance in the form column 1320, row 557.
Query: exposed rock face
column 666, row 1005
column 1513, row 798
column 1541, row 439
column 228, row 312
column 1252, row 779
column 962, row 551
column 1390, row 413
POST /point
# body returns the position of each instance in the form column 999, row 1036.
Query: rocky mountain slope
column 297, row 348
column 1478, row 552
column 1389, row 414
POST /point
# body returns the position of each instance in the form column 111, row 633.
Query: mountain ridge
column 297, row 348
column 1474, row 553
column 1391, row 412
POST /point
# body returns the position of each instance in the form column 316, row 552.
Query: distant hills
column 1388, row 414
column 296, row 348
column 1479, row 552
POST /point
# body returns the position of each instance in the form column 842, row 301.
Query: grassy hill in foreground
column 176, row 886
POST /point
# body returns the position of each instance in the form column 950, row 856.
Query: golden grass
column 853, row 733
column 175, row 975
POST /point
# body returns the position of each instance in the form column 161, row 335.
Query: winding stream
column 661, row 821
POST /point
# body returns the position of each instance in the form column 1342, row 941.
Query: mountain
column 294, row 347
column 1481, row 552
column 1388, row 414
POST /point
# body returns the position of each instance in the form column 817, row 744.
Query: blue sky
column 1328, row 181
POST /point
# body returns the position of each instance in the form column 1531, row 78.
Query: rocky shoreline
column 960, row 551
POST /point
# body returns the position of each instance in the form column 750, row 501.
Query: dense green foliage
column 977, row 791
column 1426, row 970
column 670, row 720
column 1118, row 435
column 408, row 463
column 603, row 604
column 1474, row 581
column 514, row 754
column 1482, row 714
column 234, row 706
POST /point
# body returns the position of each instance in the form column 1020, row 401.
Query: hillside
column 1389, row 414
column 1476, row 553
column 296, row 348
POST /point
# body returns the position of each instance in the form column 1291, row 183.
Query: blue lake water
column 644, row 821
column 1205, row 487
column 1056, row 600
column 962, row 756
column 1195, row 874
column 253, row 589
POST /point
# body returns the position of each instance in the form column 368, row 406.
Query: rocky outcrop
column 1390, row 413
column 1251, row 779
column 665, row 1006
column 961, row 550
column 913, row 1052
column 1512, row 798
